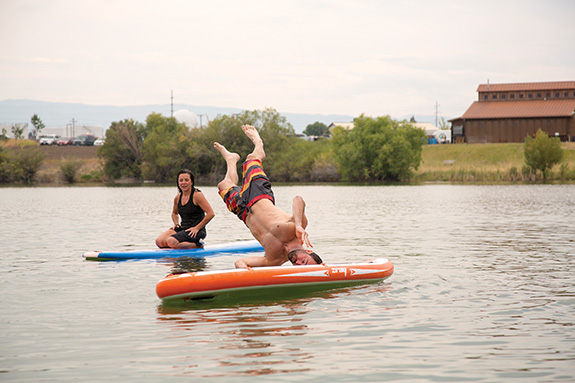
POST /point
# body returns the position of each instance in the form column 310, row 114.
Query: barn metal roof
column 527, row 86
column 520, row 109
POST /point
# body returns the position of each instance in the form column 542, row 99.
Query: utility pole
column 73, row 128
column 172, row 104
column 436, row 112
column 200, row 119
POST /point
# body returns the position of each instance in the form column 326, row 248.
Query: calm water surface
column 483, row 290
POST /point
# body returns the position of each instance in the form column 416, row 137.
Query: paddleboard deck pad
column 207, row 250
column 210, row 284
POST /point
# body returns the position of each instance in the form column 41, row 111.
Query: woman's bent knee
column 172, row 242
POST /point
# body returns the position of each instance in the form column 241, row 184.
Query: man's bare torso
column 273, row 228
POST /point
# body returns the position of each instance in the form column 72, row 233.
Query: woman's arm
column 175, row 215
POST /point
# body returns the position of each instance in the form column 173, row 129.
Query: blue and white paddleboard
column 207, row 250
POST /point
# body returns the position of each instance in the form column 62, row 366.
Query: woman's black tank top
column 190, row 214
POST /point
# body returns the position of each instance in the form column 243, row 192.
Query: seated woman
column 195, row 211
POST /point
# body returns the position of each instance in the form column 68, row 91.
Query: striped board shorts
column 255, row 186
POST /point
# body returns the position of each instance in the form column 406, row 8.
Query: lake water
column 483, row 290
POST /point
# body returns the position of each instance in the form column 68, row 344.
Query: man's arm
column 300, row 221
column 249, row 262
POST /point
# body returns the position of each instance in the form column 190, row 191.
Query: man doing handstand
column 282, row 235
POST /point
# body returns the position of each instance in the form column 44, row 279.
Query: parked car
column 99, row 141
column 65, row 141
column 85, row 140
column 49, row 139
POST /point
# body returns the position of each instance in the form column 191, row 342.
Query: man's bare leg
column 254, row 136
column 231, row 178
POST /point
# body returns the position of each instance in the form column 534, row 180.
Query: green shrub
column 564, row 171
column 542, row 152
column 25, row 162
column 513, row 174
column 69, row 169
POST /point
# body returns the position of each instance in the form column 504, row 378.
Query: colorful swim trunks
column 256, row 186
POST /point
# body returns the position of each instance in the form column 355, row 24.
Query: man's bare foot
column 225, row 153
column 252, row 134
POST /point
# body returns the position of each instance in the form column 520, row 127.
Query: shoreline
column 448, row 163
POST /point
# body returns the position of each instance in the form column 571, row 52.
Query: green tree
column 324, row 168
column 293, row 162
column 542, row 152
column 378, row 149
column 277, row 135
column 443, row 125
column 306, row 161
column 169, row 147
column 227, row 130
column 122, row 151
column 38, row 125
column 274, row 129
column 17, row 131
column 316, row 129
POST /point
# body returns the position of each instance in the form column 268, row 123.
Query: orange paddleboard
column 209, row 284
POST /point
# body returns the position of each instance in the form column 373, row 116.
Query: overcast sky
column 299, row 56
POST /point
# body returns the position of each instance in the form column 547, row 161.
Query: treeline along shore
column 377, row 150
column 459, row 163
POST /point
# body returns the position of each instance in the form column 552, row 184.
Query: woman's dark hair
column 189, row 172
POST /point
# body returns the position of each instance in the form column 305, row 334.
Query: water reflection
column 249, row 333
column 269, row 296
column 250, row 338
column 185, row 264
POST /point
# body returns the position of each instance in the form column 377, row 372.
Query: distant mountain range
column 56, row 115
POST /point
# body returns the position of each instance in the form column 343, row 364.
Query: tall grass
column 487, row 163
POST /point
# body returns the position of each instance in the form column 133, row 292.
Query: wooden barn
column 510, row 112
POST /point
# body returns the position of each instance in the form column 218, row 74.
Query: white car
column 99, row 142
column 49, row 139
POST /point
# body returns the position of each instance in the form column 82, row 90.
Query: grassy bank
column 89, row 166
column 486, row 163
column 83, row 158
